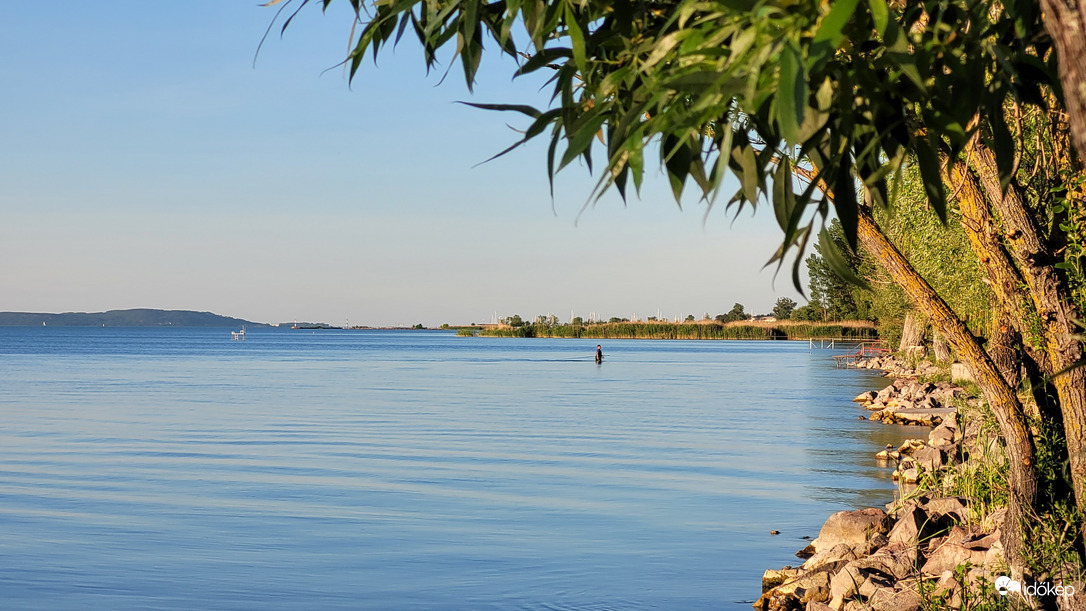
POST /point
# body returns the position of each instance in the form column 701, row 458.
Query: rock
column 873, row 585
column 818, row 606
column 994, row 558
column 894, row 562
column 908, row 476
column 909, row 528
column 911, row 445
column 948, row 587
column 793, row 593
column 884, row 395
column 852, row 527
column 806, row 552
column 773, row 578
column 981, row 541
column 948, row 556
column 842, row 552
column 925, row 416
column 866, row 397
column 929, row 458
column 951, row 506
column 943, row 435
column 845, row 584
column 895, row 600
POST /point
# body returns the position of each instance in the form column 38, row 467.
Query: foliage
column 665, row 330
column 941, row 253
column 747, row 87
column 784, row 307
column 808, row 312
column 738, row 312
column 832, row 297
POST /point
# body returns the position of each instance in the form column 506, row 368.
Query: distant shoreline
column 779, row 330
column 139, row 317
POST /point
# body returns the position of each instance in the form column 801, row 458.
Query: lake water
column 173, row 468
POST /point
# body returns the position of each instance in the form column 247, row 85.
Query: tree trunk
column 1051, row 299
column 999, row 395
column 940, row 347
column 983, row 236
column 1065, row 21
column 1001, row 348
column 912, row 333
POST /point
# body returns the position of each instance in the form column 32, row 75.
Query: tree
column 832, row 295
column 738, row 312
column 806, row 313
column 843, row 94
column 784, row 308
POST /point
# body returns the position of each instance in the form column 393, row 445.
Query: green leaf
column 928, row 161
column 576, row 37
column 581, row 138
column 833, row 23
column 784, row 198
column 836, row 261
column 791, row 94
column 880, row 14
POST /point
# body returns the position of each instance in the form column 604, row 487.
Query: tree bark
column 912, row 332
column 1051, row 298
column 999, row 395
column 1001, row 348
column 939, row 347
column 1065, row 21
column 1003, row 278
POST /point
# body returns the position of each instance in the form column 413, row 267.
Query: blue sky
column 145, row 162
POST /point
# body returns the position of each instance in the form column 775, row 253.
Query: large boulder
column 840, row 553
column 949, row 555
column 929, row 458
column 894, row 562
column 954, row 507
column 853, row 528
column 895, row 600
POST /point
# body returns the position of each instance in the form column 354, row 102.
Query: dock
column 856, row 349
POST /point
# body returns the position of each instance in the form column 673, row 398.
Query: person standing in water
column 599, row 353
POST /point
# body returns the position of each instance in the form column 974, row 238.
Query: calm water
column 173, row 468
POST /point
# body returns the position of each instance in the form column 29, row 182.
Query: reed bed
column 761, row 330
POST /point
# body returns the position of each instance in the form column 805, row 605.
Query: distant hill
column 123, row 318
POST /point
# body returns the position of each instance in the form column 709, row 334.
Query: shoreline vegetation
column 938, row 543
column 754, row 330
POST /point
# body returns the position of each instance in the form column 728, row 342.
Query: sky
column 146, row 160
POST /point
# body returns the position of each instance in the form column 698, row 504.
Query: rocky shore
column 923, row 547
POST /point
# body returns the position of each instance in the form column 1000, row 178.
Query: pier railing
column 855, row 349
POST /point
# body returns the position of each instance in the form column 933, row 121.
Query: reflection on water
column 173, row 468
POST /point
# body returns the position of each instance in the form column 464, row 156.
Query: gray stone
column 895, row 600
column 845, row 584
column 950, row 555
column 894, row 562
column 929, row 458
column 842, row 552
column 951, row 506
column 852, row 527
